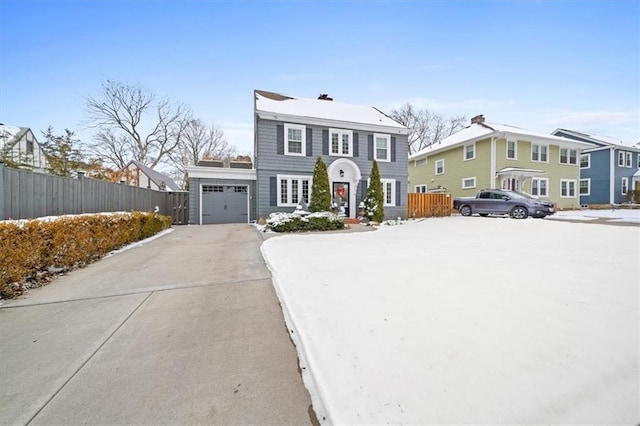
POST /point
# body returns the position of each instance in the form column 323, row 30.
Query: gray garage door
column 224, row 204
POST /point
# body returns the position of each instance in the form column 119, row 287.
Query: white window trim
column 393, row 191
column 568, row 162
column 341, row 132
column 569, row 182
column 628, row 159
column 289, row 178
column 419, row 187
column 303, row 137
column 540, row 186
column 540, row 152
column 469, row 187
column 588, row 180
column 588, row 166
column 377, row 136
column 624, row 184
column 436, row 167
column 515, row 150
column 464, row 152
column 620, row 158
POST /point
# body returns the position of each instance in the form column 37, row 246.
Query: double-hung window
column 629, row 159
column 567, row 188
column 625, row 185
column 440, row 167
column 512, row 150
column 382, row 147
column 568, row 156
column 585, row 186
column 539, row 153
column 620, row 158
column 539, row 187
column 469, row 152
column 421, row 189
column 291, row 189
column 294, row 139
column 585, row 161
column 389, row 191
column 341, row 142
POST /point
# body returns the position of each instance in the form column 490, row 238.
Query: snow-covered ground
column 466, row 320
column 614, row 215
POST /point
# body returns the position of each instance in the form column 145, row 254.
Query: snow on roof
column 157, row 177
column 478, row 131
column 599, row 139
column 8, row 133
column 275, row 103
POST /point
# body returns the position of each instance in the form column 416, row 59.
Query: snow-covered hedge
column 31, row 251
column 291, row 222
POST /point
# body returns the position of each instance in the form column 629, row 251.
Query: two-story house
column 608, row 169
column 489, row 155
column 290, row 133
column 19, row 148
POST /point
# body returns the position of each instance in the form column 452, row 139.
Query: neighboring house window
column 568, row 156
column 625, row 185
column 512, row 150
column 292, row 188
column 382, row 148
column 440, row 167
column 341, row 142
column 585, row 161
column 629, row 159
column 539, row 187
column 420, row 162
column 294, row 143
column 470, row 152
column 621, row 158
column 29, row 146
column 567, row 188
column 389, row 191
column 539, row 153
column 421, row 189
column 585, row 186
column 639, row 161
column 468, row 183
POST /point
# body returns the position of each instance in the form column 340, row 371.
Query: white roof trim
column 220, row 173
column 351, row 125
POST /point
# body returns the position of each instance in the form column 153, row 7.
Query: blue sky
column 533, row 64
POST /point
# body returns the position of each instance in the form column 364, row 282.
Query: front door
column 341, row 197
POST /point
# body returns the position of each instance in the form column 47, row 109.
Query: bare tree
column 199, row 141
column 132, row 124
column 426, row 127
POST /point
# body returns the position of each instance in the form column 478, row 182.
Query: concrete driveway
column 185, row 329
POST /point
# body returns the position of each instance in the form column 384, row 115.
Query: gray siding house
column 289, row 135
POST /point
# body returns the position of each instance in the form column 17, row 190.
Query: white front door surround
column 344, row 170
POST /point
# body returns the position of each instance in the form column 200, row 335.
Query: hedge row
column 31, row 251
column 292, row 222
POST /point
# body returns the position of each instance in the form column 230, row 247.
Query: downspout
column 493, row 163
column 612, row 175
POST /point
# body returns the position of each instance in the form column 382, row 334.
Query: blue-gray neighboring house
column 289, row 135
column 608, row 170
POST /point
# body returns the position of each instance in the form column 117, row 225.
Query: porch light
column 341, row 173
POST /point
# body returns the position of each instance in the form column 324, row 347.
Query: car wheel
column 465, row 211
column 519, row 212
column 484, row 214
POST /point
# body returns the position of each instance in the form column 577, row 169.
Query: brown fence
column 429, row 205
column 25, row 195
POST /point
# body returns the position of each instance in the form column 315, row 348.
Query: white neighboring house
column 19, row 148
column 137, row 174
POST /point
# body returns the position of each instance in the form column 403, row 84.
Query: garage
column 225, row 204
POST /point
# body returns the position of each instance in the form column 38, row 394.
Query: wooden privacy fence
column 25, row 195
column 429, row 205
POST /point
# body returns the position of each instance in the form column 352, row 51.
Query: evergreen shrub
column 291, row 222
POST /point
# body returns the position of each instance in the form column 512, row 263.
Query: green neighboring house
column 488, row 155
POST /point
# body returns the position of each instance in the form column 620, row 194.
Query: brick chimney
column 478, row 119
column 324, row 97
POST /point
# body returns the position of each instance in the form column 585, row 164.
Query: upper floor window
column 389, row 191
column 420, row 162
column 382, row 147
column 341, row 142
column 421, row 189
column 539, row 187
column 621, row 158
column 539, row 153
column 639, row 161
column 567, row 188
column 469, row 151
column 568, row 156
column 512, row 150
column 295, row 143
column 629, row 159
column 585, row 161
column 440, row 167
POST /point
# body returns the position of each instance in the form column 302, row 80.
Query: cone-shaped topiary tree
column 374, row 201
column 320, row 191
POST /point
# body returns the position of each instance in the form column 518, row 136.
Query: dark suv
column 497, row 201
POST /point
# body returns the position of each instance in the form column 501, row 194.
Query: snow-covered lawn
column 614, row 215
column 466, row 320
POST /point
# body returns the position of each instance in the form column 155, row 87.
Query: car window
column 497, row 195
column 485, row 195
